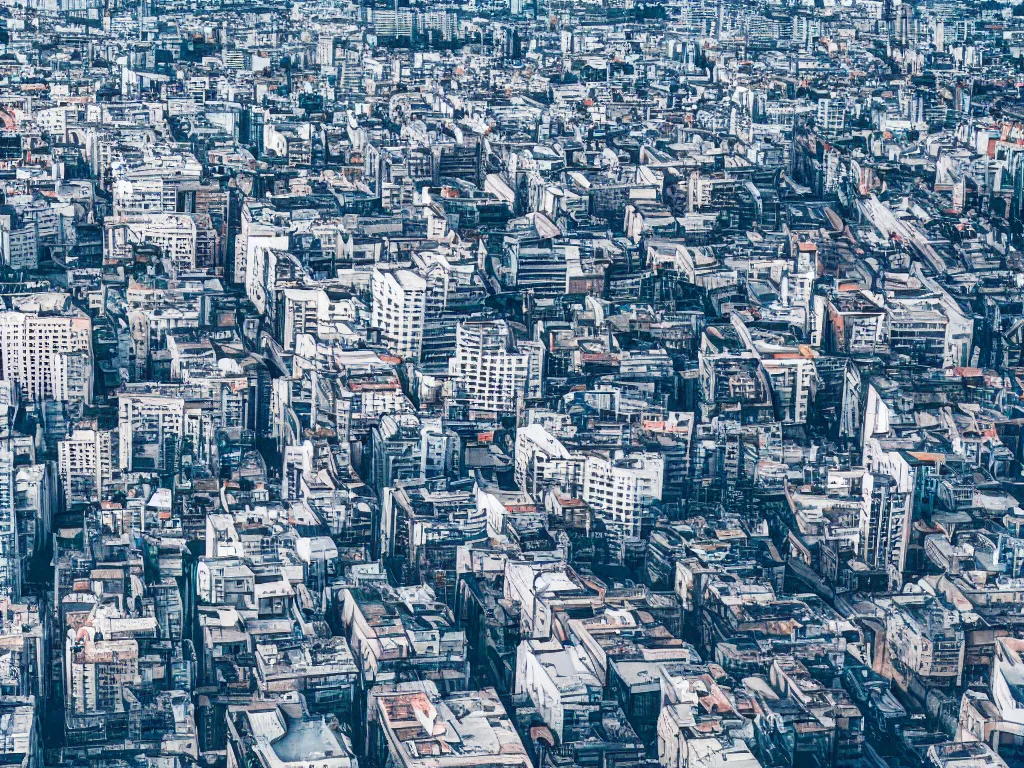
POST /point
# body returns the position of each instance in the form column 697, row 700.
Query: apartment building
column 621, row 491
column 560, row 684
column 10, row 557
column 99, row 672
column 544, row 587
column 187, row 240
column 831, row 116
column 399, row 303
column 299, row 314
column 85, row 463
column 492, row 374
column 152, row 184
column 38, row 329
column 150, row 428
column 20, row 737
column 542, row 462
column 925, row 642
column 282, row 734
column 19, row 245
column 412, row 726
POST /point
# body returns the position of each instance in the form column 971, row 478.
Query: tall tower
column 143, row 12
column 906, row 24
column 10, row 558
column 888, row 19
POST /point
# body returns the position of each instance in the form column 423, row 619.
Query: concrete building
column 10, row 551
column 399, row 304
column 85, row 463
column 20, row 733
column 491, row 373
column 542, row 462
column 99, row 673
column 412, row 726
column 33, row 335
column 621, row 492
column 565, row 692
column 150, row 428
column 925, row 642
column 186, row 240
column 280, row 734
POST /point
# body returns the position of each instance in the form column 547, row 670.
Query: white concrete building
column 152, row 185
column 39, row 329
column 831, row 116
column 72, row 376
column 793, row 381
column 682, row 699
column 187, row 240
column 543, row 462
column 399, row 304
column 312, row 311
column 150, row 428
column 1001, row 723
column 564, row 690
column 621, row 491
column 19, row 246
column 85, row 463
column 491, row 373
column 543, row 587
column 98, row 672
column 300, row 314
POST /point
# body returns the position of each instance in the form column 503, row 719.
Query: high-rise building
column 85, row 462
column 491, row 372
column 72, row 376
column 10, row 559
column 831, row 116
column 35, row 501
column 98, row 672
column 543, row 462
column 187, row 240
column 399, row 301
column 153, row 184
column 40, row 329
column 19, row 246
column 792, row 381
column 299, row 315
column 150, row 426
column 621, row 491
column 885, row 524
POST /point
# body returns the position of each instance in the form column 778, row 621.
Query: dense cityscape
column 512, row 384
